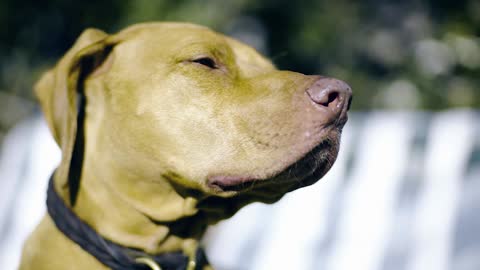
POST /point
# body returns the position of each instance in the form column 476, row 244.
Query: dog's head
column 183, row 104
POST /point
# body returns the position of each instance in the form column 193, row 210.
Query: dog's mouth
column 305, row 171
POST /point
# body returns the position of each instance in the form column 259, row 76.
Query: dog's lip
column 229, row 182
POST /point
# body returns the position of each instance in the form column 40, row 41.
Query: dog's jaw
column 305, row 161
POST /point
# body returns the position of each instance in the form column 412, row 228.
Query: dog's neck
column 120, row 212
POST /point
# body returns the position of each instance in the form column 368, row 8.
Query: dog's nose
column 332, row 94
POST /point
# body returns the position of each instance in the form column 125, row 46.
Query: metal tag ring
column 149, row 262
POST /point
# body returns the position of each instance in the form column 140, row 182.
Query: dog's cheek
column 170, row 132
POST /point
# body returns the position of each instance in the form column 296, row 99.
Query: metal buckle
column 191, row 265
column 149, row 262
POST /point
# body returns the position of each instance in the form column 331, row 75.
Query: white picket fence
column 404, row 194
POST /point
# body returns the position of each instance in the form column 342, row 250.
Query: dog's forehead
column 249, row 58
column 184, row 40
column 177, row 36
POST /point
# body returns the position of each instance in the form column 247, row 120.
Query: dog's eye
column 206, row 61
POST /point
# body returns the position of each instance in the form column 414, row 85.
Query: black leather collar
column 108, row 253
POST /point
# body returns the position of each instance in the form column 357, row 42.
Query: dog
column 166, row 128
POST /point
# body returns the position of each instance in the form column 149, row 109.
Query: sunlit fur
column 161, row 128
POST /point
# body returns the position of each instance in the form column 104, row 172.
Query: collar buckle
column 149, row 262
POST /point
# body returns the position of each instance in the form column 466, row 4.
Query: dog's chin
column 304, row 171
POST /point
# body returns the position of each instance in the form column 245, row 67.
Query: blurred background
column 415, row 70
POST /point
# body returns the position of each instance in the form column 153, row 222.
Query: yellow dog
column 181, row 127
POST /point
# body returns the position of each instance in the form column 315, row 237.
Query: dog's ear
column 58, row 91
